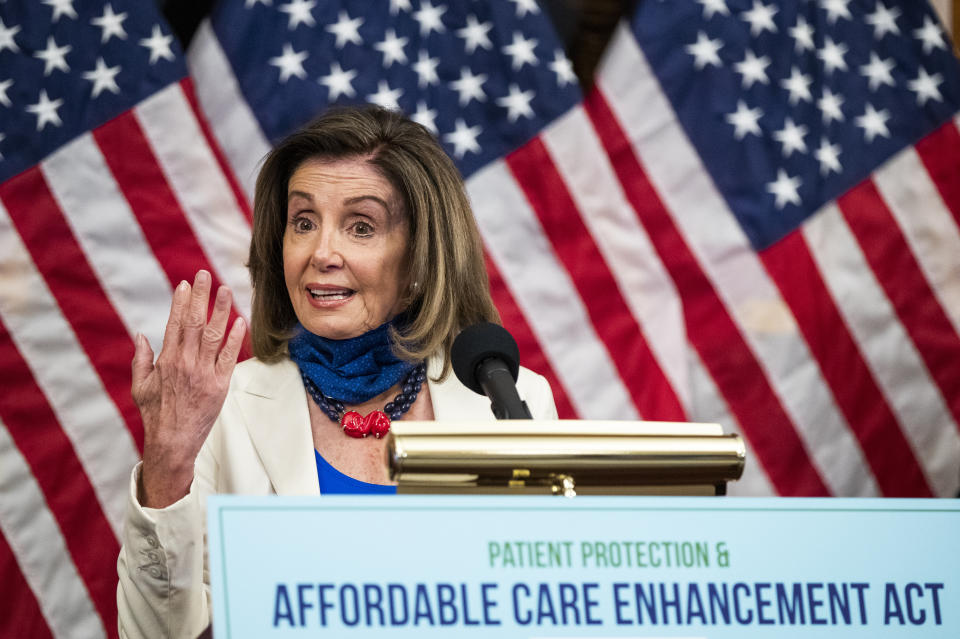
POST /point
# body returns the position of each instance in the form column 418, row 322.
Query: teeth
column 338, row 295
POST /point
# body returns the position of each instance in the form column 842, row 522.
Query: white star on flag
column 290, row 63
column 338, row 82
column 873, row 123
column 396, row 6
column 475, row 34
column 61, row 8
column 521, row 51
column 251, row 3
column 385, row 96
column 705, row 51
column 426, row 69
column 159, row 45
column 4, row 98
column 46, row 110
column 711, row 7
column 829, row 104
column 784, row 188
column 563, row 68
column 392, row 48
column 526, row 6
column 832, row 55
column 111, row 24
column 745, row 121
column 791, row 137
column 2, row 138
column 299, row 12
column 469, row 86
column 760, row 18
column 346, row 30
column 425, row 117
column 836, row 9
column 802, row 33
column 463, row 138
column 931, row 35
column 429, row 17
column 517, row 103
column 926, row 86
column 103, row 78
column 829, row 157
column 798, row 85
column 6, row 37
column 54, row 57
column 883, row 21
column 753, row 69
column 878, row 71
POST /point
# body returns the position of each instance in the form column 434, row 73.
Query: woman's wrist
column 161, row 485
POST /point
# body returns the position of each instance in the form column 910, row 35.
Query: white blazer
column 261, row 444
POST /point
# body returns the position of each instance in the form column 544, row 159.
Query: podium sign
column 481, row 566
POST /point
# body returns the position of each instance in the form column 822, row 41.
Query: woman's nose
column 326, row 252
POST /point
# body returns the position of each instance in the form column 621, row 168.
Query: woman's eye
column 302, row 225
column 363, row 229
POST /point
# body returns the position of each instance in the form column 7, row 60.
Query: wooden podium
column 563, row 458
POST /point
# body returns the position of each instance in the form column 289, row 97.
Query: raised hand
column 180, row 395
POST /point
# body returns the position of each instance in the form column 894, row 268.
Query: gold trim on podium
column 563, row 457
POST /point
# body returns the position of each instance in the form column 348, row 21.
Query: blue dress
column 333, row 482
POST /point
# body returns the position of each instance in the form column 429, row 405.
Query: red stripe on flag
column 728, row 358
column 141, row 180
column 188, row 90
column 531, row 354
column 22, row 616
column 940, row 153
column 887, row 450
column 547, row 194
column 903, row 281
column 70, row 496
column 71, row 279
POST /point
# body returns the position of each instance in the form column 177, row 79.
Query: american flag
column 752, row 218
column 795, row 167
column 109, row 196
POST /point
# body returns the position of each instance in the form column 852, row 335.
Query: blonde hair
column 448, row 288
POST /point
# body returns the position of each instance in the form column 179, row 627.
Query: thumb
column 142, row 360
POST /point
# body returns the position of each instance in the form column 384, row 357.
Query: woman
column 366, row 263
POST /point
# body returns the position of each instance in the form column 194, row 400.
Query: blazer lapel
column 452, row 400
column 275, row 405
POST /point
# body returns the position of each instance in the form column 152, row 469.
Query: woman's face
column 343, row 247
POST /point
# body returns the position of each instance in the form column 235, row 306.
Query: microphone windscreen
column 477, row 343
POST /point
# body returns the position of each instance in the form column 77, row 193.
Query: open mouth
column 330, row 294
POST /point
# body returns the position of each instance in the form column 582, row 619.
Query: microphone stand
column 497, row 383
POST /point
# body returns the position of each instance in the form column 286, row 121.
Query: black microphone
column 486, row 360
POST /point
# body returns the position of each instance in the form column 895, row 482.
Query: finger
column 231, row 349
column 171, row 335
column 196, row 313
column 142, row 361
column 216, row 327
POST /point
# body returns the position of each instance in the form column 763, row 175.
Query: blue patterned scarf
column 351, row 370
